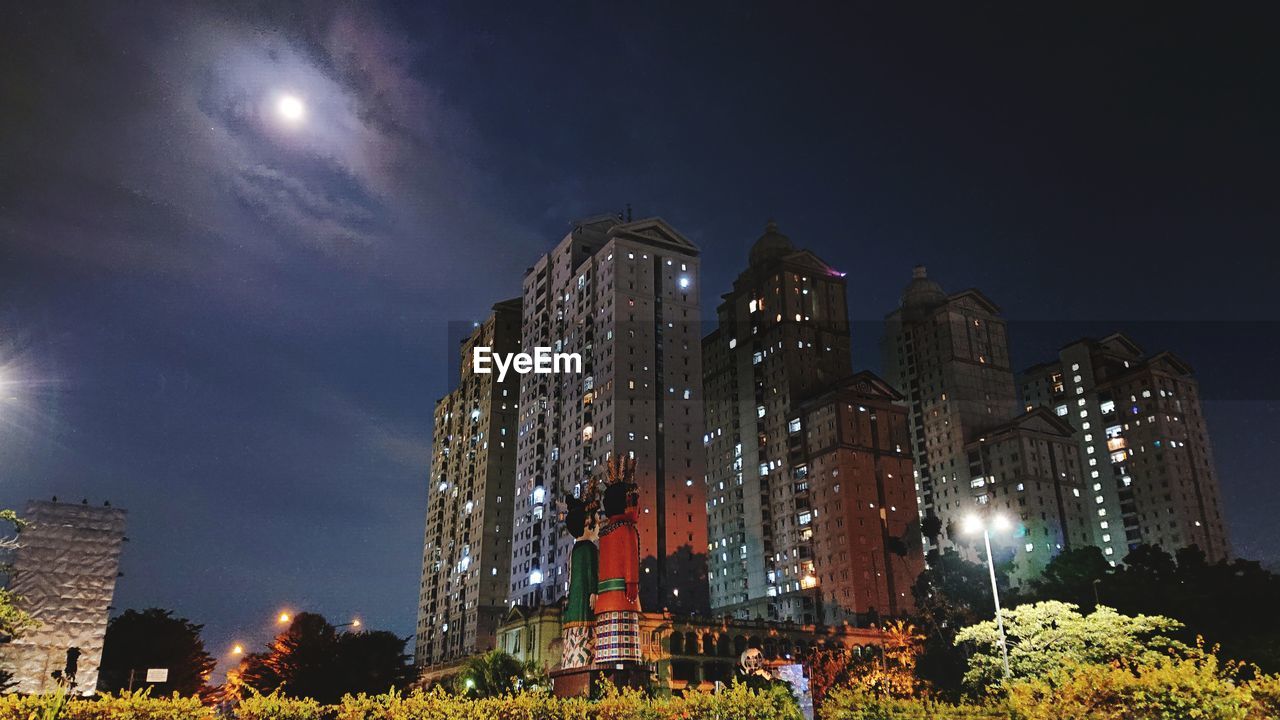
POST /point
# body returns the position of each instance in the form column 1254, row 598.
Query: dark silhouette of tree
column 373, row 662
column 1227, row 603
column 1071, row 577
column 154, row 638
column 931, row 527
column 312, row 660
column 494, row 673
column 952, row 593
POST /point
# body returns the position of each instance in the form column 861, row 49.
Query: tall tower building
column 783, row 335
column 864, row 522
column 466, row 555
column 949, row 357
column 1142, row 441
column 65, row 573
column 624, row 295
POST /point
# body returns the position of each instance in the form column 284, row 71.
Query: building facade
column 948, row 355
column 624, row 296
column 971, row 441
column 1142, row 441
column 1028, row 470
column 864, row 524
column 64, row 573
column 689, row 653
column 466, row 556
column 783, row 335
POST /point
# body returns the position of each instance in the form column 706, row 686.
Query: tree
column 1073, row 576
column 494, row 673
column 892, row 671
column 372, row 662
column 1046, row 635
column 827, row 668
column 312, row 660
column 1220, row 601
column 13, row 621
column 950, row 594
column 154, row 638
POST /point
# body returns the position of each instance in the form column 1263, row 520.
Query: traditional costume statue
column 578, row 621
column 617, row 605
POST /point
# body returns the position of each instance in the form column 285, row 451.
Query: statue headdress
column 620, row 488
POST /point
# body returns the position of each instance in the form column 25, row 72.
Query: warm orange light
column 284, row 618
column 355, row 623
column 237, row 649
column 808, row 581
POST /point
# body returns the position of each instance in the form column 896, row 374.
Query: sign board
column 157, row 675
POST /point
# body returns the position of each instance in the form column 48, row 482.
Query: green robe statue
column 583, row 564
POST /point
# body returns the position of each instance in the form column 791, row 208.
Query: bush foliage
column 1168, row 688
column 737, row 702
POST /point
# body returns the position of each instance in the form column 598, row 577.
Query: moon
column 291, row 109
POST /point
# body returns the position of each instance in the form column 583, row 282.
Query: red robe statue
column 617, row 605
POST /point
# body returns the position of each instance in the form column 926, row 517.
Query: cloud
column 145, row 139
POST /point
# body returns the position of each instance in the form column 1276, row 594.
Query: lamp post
column 973, row 524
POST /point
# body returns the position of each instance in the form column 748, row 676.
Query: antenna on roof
column 628, row 212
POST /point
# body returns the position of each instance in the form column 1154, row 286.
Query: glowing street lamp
column 972, row 525
column 237, row 649
column 284, row 618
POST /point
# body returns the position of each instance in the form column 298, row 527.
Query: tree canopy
column 312, row 660
column 1223, row 601
column 950, row 594
column 495, row 673
column 153, row 638
column 1044, row 635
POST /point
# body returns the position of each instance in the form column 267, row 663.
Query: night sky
column 236, row 325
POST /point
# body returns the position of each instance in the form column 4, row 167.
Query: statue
column 617, row 605
column 577, row 623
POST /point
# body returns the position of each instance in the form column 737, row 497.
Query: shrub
column 856, row 703
column 738, row 702
column 1265, row 692
column 125, row 706
column 1169, row 688
column 276, row 707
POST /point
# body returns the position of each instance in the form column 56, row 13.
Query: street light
column 354, row 623
column 237, row 649
column 972, row 525
column 283, row 618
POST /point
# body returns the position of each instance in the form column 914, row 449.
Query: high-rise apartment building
column 949, row 356
column 1142, row 441
column 783, row 335
column 1028, row 471
column 466, row 555
column 64, row 573
column 865, row 527
column 623, row 295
